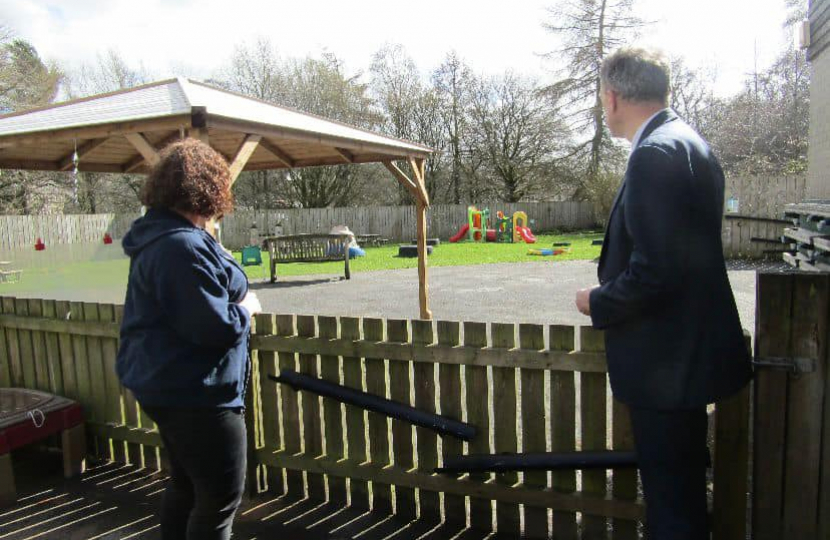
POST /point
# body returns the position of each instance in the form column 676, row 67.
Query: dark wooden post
column 791, row 496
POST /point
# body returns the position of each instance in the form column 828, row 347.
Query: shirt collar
column 635, row 142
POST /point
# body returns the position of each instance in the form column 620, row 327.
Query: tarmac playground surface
column 535, row 292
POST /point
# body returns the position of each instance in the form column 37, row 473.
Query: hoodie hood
column 153, row 225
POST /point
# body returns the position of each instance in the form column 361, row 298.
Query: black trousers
column 672, row 455
column 207, row 452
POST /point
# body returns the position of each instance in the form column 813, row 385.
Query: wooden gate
column 792, row 415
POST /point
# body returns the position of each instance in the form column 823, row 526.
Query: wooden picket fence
column 527, row 388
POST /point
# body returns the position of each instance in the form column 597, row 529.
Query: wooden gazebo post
column 419, row 193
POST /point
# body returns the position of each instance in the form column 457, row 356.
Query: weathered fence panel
column 761, row 201
column 21, row 232
column 525, row 388
column 396, row 223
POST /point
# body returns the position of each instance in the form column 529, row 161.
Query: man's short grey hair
column 638, row 75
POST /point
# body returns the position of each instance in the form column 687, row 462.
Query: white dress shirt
column 636, row 140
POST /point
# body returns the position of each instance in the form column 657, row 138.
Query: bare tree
column 691, row 94
column 589, row 30
column 109, row 73
column 453, row 82
column 410, row 110
column 518, row 131
column 764, row 129
column 315, row 85
column 255, row 70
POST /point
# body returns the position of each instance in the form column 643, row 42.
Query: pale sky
column 186, row 37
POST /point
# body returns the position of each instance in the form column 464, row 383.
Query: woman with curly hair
column 184, row 339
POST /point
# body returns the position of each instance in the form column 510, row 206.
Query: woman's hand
column 251, row 303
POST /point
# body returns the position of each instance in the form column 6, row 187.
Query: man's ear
column 613, row 100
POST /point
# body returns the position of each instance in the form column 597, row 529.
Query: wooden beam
column 95, row 132
column 243, row 154
column 423, row 286
column 345, row 154
column 403, row 179
column 228, row 124
column 200, row 133
column 418, row 169
column 41, row 165
column 147, row 150
column 397, row 476
column 139, row 160
column 66, row 162
column 278, row 153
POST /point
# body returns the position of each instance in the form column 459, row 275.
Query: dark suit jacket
column 672, row 332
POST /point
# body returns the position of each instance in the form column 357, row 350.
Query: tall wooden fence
column 21, row 232
column 398, row 223
column 761, row 199
column 525, row 387
column 760, row 207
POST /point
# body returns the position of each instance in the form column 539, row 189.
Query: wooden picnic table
column 369, row 239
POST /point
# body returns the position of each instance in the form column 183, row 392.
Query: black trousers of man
column 672, row 457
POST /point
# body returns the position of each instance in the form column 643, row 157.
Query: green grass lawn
column 446, row 254
column 111, row 275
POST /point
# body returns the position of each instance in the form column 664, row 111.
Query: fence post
column 791, row 497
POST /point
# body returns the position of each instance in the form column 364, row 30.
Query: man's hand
column 583, row 300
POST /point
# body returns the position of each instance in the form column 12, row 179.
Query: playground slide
column 526, row 235
column 461, row 234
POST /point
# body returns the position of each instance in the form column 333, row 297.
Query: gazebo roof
column 108, row 130
column 123, row 132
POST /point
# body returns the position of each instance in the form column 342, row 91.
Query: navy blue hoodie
column 184, row 340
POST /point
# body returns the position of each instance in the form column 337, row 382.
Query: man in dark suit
column 673, row 337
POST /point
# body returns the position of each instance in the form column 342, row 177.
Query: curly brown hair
column 190, row 177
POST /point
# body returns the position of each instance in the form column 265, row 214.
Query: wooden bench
column 308, row 248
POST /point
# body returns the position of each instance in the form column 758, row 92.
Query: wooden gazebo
column 123, row 132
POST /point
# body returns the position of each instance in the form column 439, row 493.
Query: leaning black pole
column 370, row 402
column 544, row 461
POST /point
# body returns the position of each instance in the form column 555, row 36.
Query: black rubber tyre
column 411, row 251
column 430, row 241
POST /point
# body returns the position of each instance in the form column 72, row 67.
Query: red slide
column 526, row 235
column 462, row 232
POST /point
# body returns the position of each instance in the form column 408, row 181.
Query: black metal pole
column 393, row 409
column 545, row 461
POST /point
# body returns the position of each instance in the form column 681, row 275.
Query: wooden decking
column 115, row 501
